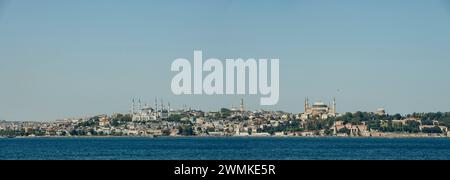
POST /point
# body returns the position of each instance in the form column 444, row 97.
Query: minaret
column 168, row 106
column 242, row 105
column 162, row 105
column 140, row 105
column 132, row 107
column 156, row 105
column 306, row 104
column 334, row 106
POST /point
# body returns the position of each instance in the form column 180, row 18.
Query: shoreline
column 228, row 137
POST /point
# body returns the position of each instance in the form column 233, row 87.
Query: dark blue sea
column 224, row 149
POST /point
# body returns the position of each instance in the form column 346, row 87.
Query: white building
column 380, row 112
column 148, row 113
column 319, row 109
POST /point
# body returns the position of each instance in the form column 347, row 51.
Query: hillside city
column 317, row 120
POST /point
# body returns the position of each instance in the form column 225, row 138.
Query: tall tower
column 132, row 107
column 306, row 104
column 242, row 105
column 140, row 105
column 156, row 105
column 334, row 106
column 168, row 107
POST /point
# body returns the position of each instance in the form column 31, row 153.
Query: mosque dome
column 319, row 104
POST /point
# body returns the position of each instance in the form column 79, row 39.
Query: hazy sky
column 69, row 58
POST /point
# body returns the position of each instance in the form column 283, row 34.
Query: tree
column 328, row 132
column 127, row 118
column 175, row 118
column 445, row 121
column 185, row 130
column 166, row 132
column 426, row 121
column 412, row 127
column 225, row 112
column 344, row 131
column 115, row 123
column 374, row 124
column 433, row 130
column 397, row 117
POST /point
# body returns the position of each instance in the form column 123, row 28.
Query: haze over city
column 61, row 59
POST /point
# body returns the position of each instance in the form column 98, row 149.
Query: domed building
column 319, row 109
column 148, row 113
column 381, row 112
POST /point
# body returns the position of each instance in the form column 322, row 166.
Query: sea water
column 196, row 148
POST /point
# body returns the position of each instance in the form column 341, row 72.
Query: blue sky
column 70, row 58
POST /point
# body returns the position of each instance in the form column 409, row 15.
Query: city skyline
column 61, row 59
column 310, row 108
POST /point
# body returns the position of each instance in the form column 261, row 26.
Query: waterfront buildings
column 160, row 120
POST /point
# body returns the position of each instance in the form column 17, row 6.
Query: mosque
column 147, row 113
column 319, row 109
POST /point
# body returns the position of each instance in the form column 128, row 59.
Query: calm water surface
column 224, row 148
